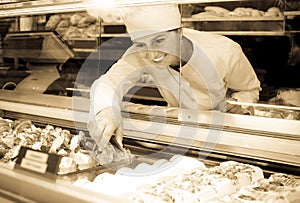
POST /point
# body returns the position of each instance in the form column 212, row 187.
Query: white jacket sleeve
column 109, row 89
column 242, row 79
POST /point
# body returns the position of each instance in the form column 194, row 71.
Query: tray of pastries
column 187, row 179
column 78, row 152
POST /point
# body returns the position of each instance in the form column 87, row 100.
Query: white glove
column 234, row 108
column 238, row 109
column 104, row 125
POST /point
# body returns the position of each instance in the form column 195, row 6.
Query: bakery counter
column 169, row 172
column 157, row 176
column 209, row 132
column 185, row 179
column 42, row 108
column 162, row 159
column 18, row 186
column 44, row 160
column 261, row 138
column 158, row 138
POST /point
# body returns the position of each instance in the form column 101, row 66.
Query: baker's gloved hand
column 235, row 108
column 104, row 125
column 239, row 109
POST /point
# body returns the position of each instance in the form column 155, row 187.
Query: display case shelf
column 8, row 1
column 12, row 8
column 240, row 19
column 108, row 35
column 249, row 33
column 112, row 23
column 291, row 13
column 40, row 7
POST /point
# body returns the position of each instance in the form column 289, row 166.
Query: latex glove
column 233, row 108
column 104, row 125
column 236, row 109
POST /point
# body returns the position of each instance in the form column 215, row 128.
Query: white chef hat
column 145, row 20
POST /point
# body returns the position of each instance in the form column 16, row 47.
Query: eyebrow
column 157, row 37
column 140, row 42
column 136, row 42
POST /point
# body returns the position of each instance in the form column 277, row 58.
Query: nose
column 143, row 54
column 150, row 55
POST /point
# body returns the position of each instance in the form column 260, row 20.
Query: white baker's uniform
column 217, row 63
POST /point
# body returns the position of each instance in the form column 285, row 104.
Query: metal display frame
column 267, row 142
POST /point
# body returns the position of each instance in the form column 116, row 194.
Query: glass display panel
column 97, row 43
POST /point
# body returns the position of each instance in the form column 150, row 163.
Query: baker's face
column 159, row 49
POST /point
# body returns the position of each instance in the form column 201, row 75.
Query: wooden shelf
column 291, row 13
column 84, row 50
column 112, row 23
column 114, row 35
column 40, row 7
column 82, row 39
column 10, row 8
column 234, row 19
column 13, row 8
column 292, row 31
column 8, row 1
column 249, row 33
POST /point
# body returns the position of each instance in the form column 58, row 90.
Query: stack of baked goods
column 185, row 179
column 112, row 153
column 239, row 174
column 286, row 180
column 128, row 180
column 201, row 184
column 22, row 132
column 77, row 25
column 217, row 12
column 230, row 182
column 279, row 188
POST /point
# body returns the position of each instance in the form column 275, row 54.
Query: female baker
column 192, row 69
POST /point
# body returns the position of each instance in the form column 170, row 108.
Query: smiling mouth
column 159, row 59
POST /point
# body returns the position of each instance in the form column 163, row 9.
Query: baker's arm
column 105, row 97
column 242, row 80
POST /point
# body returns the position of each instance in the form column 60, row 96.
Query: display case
column 46, row 78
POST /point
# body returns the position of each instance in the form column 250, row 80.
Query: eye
column 159, row 41
column 140, row 45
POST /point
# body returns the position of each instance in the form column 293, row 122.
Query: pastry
column 75, row 18
column 67, row 165
column 52, row 22
column 239, row 173
column 63, row 24
column 286, row 180
column 270, row 191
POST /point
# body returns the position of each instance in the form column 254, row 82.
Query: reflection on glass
column 210, row 75
column 278, row 95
